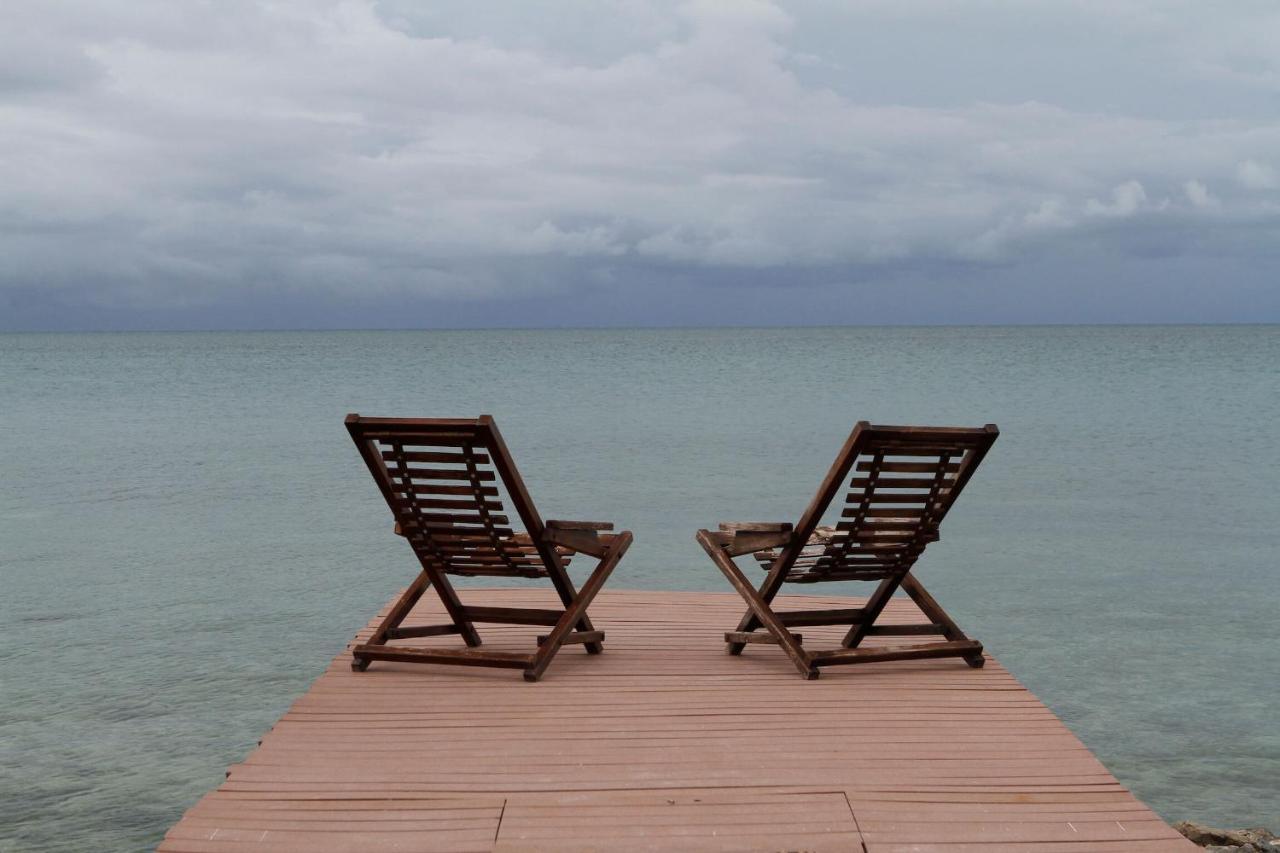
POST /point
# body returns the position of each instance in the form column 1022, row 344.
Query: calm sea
column 187, row 535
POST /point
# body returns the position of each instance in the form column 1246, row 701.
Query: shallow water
column 187, row 536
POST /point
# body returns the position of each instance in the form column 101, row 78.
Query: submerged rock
column 1255, row 840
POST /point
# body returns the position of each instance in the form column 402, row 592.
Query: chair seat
column 524, row 560
column 819, row 560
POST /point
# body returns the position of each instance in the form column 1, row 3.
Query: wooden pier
column 665, row 742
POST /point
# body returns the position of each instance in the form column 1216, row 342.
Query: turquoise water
column 187, row 535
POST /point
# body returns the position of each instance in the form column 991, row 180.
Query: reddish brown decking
column 665, row 742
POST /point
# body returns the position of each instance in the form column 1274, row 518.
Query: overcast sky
column 287, row 164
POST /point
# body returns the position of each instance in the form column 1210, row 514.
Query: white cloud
column 366, row 145
column 1257, row 176
column 1126, row 200
column 1050, row 214
column 1199, row 196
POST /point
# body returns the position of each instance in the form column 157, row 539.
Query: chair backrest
column 904, row 481
column 441, row 477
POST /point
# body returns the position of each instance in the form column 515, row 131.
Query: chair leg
column 933, row 610
column 575, row 614
column 453, row 606
column 871, row 612
column 759, row 607
column 768, row 591
column 404, row 604
column 564, row 588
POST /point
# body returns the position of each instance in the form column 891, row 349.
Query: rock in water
column 1255, row 840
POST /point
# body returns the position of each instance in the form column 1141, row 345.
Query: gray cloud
column 321, row 163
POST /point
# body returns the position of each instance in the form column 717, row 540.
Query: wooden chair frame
column 542, row 550
column 781, row 546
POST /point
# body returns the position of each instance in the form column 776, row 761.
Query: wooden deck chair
column 905, row 479
column 440, row 479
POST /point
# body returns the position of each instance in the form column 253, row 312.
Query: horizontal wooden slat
column 435, row 456
column 438, row 489
column 457, row 555
column 435, row 520
column 463, row 535
column 909, row 467
column 479, row 552
column 559, row 524
column 755, row 526
column 875, row 526
column 916, row 652
column 879, row 497
column 398, row 474
column 829, row 616
column 896, row 482
column 576, row 638
column 445, row 503
column 422, row 631
column 468, row 657
column 830, row 577
column 392, row 431
column 757, row 637
column 906, row 512
column 514, row 615
column 526, row 571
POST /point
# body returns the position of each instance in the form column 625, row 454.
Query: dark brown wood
column 809, row 521
column 468, row 533
column 755, row 527
column 838, row 616
column 579, row 525
column 460, row 657
column 575, row 613
column 514, row 615
column 533, row 524
column 750, row 541
column 584, row 541
column 756, row 637
column 882, row 653
column 759, row 607
column 576, row 637
column 887, row 521
column 403, row 633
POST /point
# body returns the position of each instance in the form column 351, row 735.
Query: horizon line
column 672, row 327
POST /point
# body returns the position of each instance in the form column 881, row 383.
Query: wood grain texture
column 665, row 742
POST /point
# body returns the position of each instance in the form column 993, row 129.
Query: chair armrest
column 747, row 537
column 756, row 526
column 585, row 537
column 580, row 525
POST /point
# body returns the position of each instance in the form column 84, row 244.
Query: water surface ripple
column 187, row 535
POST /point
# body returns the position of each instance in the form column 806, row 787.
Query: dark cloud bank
column 396, row 164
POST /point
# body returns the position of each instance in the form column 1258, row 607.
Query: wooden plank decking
column 665, row 742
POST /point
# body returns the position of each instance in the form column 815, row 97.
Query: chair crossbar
column 422, row 631
column 456, row 657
